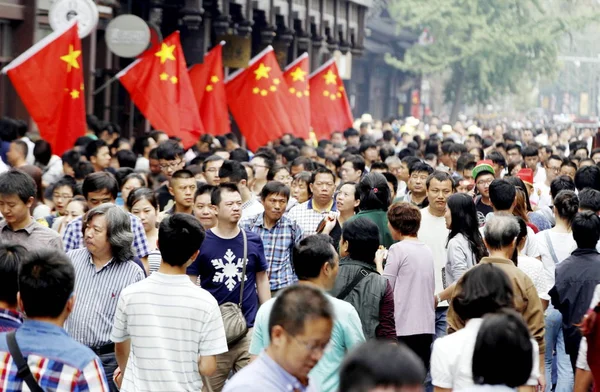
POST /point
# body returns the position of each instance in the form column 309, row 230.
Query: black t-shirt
column 482, row 211
column 163, row 196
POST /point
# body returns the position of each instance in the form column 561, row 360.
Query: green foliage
column 491, row 47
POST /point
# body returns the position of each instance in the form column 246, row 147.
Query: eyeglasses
column 312, row 348
column 484, row 182
column 172, row 165
column 63, row 196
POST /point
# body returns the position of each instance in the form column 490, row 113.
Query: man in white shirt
column 165, row 325
column 433, row 233
column 541, row 193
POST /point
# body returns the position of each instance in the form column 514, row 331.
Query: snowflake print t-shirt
column 219, row 265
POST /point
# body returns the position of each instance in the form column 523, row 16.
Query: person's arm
column 445, row 295
column 122, row 353
column 207, row 366
column 212, row 340
column 387, row 323
column 263, row 287
column 457, row 258
column 380, row 256
column 390, row 272
column 583, row 380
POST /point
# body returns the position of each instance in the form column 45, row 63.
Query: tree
column 489, row 47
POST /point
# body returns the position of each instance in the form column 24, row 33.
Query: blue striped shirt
column 96, row 296
column 278, row 243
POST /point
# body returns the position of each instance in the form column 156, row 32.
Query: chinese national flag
column 159, row 85
column 296, row 78
column 329, row 107
column 207, row 81
column 49, row 79
column 257, row 100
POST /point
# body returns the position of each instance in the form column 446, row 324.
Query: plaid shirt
column 57, row 362
column 307, row 217
column 278, row 243
column 9, row 320
column 73, row 236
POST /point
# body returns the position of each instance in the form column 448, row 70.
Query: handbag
column 232, row 314
column 23, row 372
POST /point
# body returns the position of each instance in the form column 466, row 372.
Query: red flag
column 159, row 85
column 209, row 88
column 296, row 78
column 329, row 107
column 49, row 79
column 255, row 96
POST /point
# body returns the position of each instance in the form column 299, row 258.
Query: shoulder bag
column 233, row 316
column 23, row 372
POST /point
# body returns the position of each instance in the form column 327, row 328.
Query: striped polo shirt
column 96, row 294
column 171, row 323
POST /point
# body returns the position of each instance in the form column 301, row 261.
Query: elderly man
column 500, row 233
column 103, row 268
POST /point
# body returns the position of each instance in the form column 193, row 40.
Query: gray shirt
column 460, row 258
column 32, row 237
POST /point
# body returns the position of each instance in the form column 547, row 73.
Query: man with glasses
column 171, row 159
column 541, row 193
column 309, row 214
column 483, row 174
column 303, row 342
column 210, row 169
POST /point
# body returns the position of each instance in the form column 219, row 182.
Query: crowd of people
column 389, row 257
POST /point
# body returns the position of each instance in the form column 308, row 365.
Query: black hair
column 204, row 189
column 561, row 183
column 409, row 161
column 420, row 167
column 100, row 181
column 42, row 151
column 71, row 157
column 358, row 163
column 530, row 151
column 216, row 195
column 503, row 353
column 68, row 182
column 463, row 160
column 274, row 187
column 483, row 289
column 290, row 153
column 11, row 256
column 16, row 182
column 522, row 234
column 92, row 148
column 310, row 254
column 588, row 177
column 586, row 229
column 363, row 239
column 169, row 150
column 440, row 176
column 83, row 169
column 373, row 192
column 458, row 148
column 305, row 162
column 464, row 213
column 567, row 205
column 589, row 199
column 377, row 363
column 513, row 147
column 179, row 238
column 390, row 178
column 140, row 144
column 497, row 158
column 350, row 132
column 142, row 194
column 321, row 170
column 517, row 182
column 240, row 155
column 46, row 282
column 234, row 171
column 502, row 194
column 266, row 157
column 296, row 305
column 571, row 164
column 276, row 169
column 126, row 158
column 379, row 166
column 181, row 174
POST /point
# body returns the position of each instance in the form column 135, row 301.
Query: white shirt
column 535, row 270
column 541, row 195
column 452, row 358
column 30, row 146
column 582, row 362
column 252, row 207
column 434, row 234
column 53, row 171
column 171, row 323
column 562, row 243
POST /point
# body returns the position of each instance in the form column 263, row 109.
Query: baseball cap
column 484, row 166
column 526, row 175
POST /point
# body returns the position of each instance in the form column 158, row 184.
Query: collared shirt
column 9, row 320
column 347, row 333
column 266, row 375
column 252, row 207
column 57, row 362
column 32, row 237
column 278, row 243
column 527, row 301
column 307, row 217
column 97, row 293
column 73, row 236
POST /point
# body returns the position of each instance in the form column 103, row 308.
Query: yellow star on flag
column 174, row 79
column 74, row 94
column 164, row 76
column 298, row 74
column 214, row 79
column 71, row 58
column 330, row 77
column 209, row 88
column 262, row 72
column 165, row 53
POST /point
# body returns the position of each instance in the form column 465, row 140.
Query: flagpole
column 105, row 85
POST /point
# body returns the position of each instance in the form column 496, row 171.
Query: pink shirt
column 410, row 271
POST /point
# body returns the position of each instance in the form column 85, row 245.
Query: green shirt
column 378, row 217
